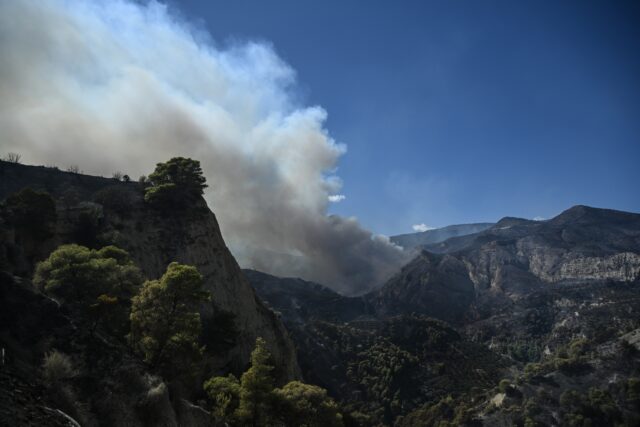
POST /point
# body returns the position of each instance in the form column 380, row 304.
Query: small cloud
column 422, row 227
column 336, row 198
column 539, row 218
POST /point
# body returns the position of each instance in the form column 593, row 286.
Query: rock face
column 518, row 292
column 434, row 285
column 96, row 211
column 514, row 258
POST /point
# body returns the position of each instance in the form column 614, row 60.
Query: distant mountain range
column 437, row 235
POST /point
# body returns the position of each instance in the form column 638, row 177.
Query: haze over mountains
column 549, row 307
column 522, row 288
column 211, row 268
column 437, row 235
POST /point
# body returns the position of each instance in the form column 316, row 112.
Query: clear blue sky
column 461, row 111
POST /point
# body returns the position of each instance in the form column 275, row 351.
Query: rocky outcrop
column 97, row 211
column 433, row 285
column 623, row 267
column 514, row 258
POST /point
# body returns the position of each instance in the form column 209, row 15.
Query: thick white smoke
column 119, row 86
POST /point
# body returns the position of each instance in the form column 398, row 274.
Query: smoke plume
column 119, row 86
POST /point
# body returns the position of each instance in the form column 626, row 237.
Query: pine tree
column 96, row 284
column 300, row 404
column 165, row 322
column 175, row 183
column 224, row 392
column 256, row 385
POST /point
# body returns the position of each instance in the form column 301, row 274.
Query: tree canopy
column 224, row 392
column 98, row 283
column 165, row 322
column 179, row 180
column 253, row 401
column 299, row 404
column 256, row 385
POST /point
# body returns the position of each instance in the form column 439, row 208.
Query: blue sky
column 458, row 112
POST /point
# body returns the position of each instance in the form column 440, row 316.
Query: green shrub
column 57, row 367
column 224, row 392
column 32, row 212
column 299, row 404
column 504, row 385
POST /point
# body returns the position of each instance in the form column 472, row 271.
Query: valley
column 521, row 323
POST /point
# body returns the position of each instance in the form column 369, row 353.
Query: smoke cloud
column 421, row 227
column 119, row 86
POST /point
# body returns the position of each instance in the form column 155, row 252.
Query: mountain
column 551, row 307
column 299, row 301
column 382, row 366
column 517, row 256
column 430, row 237
column 560, row 298
column 95, row 212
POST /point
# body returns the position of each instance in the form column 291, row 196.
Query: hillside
column 382, row 366
column 553, row 305
column 431, row 237
column 96, row 212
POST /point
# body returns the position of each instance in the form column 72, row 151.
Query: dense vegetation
column 87, row 333
column 255, row 401
column 98, row 284
column 175, row 183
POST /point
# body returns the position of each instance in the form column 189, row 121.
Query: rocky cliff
column 558, row 295
column 95, row 212
column 516, row 257
column 98, row 211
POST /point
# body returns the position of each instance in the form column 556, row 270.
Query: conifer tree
column 165, row 322
column 256, row 385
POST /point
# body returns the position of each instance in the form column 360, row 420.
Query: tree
column 98, row 284
column 12, row 158
column 300, row 404
column 224, row 392
column 256, row 385
column 165, row 322
column 32, row 212
column 178, row 181
column 254, row 401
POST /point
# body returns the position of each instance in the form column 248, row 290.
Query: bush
column 633, row 390
column 299, row 404
column 532, row 370
column 32, row 212
column 57, row 367
column 224, row 392
column 504, row 385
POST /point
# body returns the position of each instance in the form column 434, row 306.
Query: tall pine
column 256, row 385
